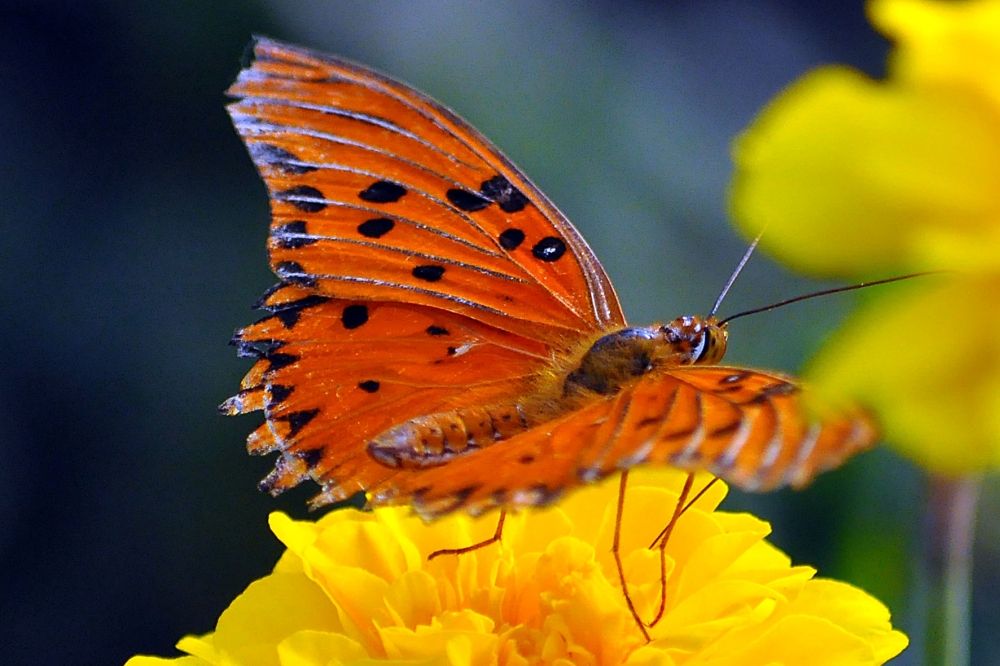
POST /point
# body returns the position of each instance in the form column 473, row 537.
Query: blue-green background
column 133, row 229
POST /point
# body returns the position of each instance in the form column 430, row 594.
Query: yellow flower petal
column 857, row 178
column 948, row 44
column 268, row 611
column 927, row 362
column 319, row 648
column 853, row 610
column 852, row 177
column 532, row 600
column 142, row 660
column 793, row 640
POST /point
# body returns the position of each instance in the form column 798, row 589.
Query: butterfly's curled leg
column 616, row 551
column 664, row 532
column 476, row 546
column 662, row 538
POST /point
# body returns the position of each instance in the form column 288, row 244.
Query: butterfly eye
column 711, row 346
column 702, row 347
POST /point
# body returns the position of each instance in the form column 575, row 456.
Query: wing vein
column 360, row 117
column 263, row 127
column 409, row 253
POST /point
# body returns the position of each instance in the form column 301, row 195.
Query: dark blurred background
column 133, row 244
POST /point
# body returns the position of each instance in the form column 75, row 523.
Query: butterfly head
column 696, row 339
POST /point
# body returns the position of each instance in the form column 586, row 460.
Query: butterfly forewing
column 748, row 427
column 379, row 193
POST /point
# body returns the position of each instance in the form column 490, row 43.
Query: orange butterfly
column 442, row 335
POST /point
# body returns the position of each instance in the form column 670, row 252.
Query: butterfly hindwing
column 334, row 373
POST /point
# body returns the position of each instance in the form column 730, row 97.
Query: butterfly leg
column 476, row 546
column 661, row 539
column 616, row 551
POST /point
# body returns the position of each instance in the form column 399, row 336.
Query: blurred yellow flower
column 857, row 178
column 356, row 587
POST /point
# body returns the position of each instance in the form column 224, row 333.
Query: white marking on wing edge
column 691, row 448
column 796, row 472
column 726, row 461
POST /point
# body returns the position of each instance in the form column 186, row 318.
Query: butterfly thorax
column 610, row 364
column 620, row 357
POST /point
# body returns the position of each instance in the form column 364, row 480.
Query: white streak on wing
column 258, row 129
column 796, row 472
column 771, row 452
column 694, row 442
column 354, row 115
column 726, row 461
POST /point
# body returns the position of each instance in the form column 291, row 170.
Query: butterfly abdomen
column 435, row 439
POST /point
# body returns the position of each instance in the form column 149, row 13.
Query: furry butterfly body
column 443, row 336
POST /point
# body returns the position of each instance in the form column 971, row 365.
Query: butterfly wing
column 379, row 193
column 751, row 428
column 420, row 270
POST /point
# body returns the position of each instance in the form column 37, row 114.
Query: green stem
column 951, row 532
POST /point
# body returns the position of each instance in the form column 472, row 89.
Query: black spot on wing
column 305, row 198
column 298, row 420
column 509, row 198
column 428, row 273
column 732, row 383
column 245, row 349
column 292, row 271
column 382, row 191
column 376, row 228
column 354, row 316
column 289, row 313
column 437, row 330
column 549, row 248
column 311, row 458
column 291, row 236
column 774, row 390
column 288, row 318
column 279, row 360
column 369, row 386
column 541, row 495
column 261, row 303
column 276, row 156
column 300, row 304
column 470, row 202
column 280, row 393
column 511, row 239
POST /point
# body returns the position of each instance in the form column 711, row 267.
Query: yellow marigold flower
column 356, row 587
column 858, row 178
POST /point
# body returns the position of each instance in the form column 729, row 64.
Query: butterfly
column 442, row 336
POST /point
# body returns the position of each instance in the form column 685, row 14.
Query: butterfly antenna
column 736, row 273
column 825, row 292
